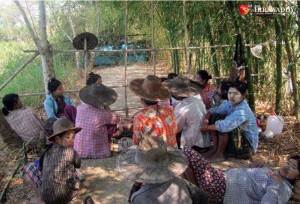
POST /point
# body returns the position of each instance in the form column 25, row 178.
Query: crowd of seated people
column 183, row 125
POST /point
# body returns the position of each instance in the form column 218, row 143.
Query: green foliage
column 30, row 79
column 209, row 23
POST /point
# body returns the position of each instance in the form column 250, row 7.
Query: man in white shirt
column 189, row 112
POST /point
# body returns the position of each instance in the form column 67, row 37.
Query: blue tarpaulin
column 113, row 58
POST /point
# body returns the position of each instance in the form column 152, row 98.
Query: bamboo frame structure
column 153, row 51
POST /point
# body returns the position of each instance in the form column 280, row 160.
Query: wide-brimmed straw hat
column 152, row 161
column 91, row 41
column 61, row 126
column 98, row 95
column 150, row 88
column 182, row 87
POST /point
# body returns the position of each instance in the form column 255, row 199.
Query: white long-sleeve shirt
column 189, row 115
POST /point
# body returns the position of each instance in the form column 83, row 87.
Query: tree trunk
column 46, row 51
column 278, row 67
column 43, row 46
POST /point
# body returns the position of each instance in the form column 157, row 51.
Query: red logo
column 244, row 9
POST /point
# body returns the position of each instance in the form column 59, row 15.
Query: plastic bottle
column 275, row 124
column 268, row 134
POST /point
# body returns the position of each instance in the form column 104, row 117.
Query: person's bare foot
column 217, row 157
column 208, row 153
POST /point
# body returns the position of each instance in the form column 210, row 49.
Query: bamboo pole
column 126, row 55
column 186, row 39
column 69, row 91
column 152, row 49
column 117, row 86
column 3, row 193
column 85, row 59
column 152, row 39
column 19, row 70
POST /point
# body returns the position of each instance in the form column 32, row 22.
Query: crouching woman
column 239, row 120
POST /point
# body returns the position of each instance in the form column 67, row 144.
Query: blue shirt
column 240, row 116
column 51, row 107
column 254, row 186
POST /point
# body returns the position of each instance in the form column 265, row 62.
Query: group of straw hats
column 152, row 161
column 151, row 88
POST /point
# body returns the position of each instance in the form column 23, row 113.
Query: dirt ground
column 102, row 181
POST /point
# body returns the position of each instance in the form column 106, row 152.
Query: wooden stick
column 25, row 154
column 3, row 193
column 18, row 70
column 25, row 146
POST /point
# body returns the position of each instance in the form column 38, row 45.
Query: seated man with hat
column 158, row 166
column 189, row 113
column 155, row 120
column 93, row 141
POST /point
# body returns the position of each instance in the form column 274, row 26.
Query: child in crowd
column 203, row 77
column 57, row 104
column 240, row 118
column 173, row 101
column 243, row 185
column 166, row 102
column 172, row 75
column 216, row 97
column 22, row 120
column 53, row 176
column 93, row 79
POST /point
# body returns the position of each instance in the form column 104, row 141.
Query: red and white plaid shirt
column 159, row 122
column 92, row 141
column 25, row 123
